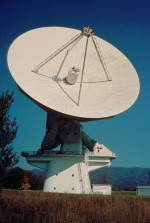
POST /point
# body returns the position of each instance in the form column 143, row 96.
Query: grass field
column 38, row 207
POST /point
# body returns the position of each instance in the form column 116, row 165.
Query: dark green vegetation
column 39, row 207
column 8, row 131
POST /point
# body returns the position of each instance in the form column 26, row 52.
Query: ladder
column 86, row 174
column 81, row 179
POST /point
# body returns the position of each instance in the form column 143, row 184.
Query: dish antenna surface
column 73, row 73
column 74, row 76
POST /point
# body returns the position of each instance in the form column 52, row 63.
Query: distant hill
column 120, row 178
column 38, row 172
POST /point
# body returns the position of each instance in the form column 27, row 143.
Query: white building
column 143, row 190
column 104, row 189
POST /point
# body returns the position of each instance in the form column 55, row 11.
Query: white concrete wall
column 67, row 176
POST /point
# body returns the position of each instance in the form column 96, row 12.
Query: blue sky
column 126, row 25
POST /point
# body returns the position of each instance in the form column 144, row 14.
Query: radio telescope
column 74, row 76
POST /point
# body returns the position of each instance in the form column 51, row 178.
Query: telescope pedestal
column 69, row 173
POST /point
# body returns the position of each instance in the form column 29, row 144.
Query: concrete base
column 67, row 172
column 67, row 176
column 64, row 173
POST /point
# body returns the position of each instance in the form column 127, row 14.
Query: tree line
column 8, row 132
column 17, row 178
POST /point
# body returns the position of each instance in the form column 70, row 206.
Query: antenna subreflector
column 88, row 31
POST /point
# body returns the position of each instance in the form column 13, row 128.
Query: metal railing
column 48, row 152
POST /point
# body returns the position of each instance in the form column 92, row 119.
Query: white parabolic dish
column 41, row 76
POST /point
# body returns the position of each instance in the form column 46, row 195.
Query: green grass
column 38, row 207
column 124, row 193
